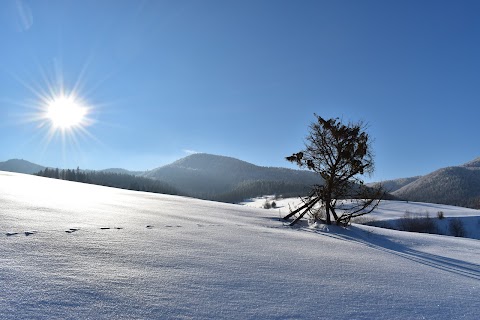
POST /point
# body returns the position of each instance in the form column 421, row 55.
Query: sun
column 61, row 110
column 65, row 112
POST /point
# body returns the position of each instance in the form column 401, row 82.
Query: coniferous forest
column 244, row 190
column 110, row 179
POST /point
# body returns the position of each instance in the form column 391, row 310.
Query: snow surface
column 207, row 260
column 392, row 211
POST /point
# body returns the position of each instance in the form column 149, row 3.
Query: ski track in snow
column 167, row 257
column 460, row 267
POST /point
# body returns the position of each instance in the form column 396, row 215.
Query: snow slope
column 392, row 211
column 207, row 260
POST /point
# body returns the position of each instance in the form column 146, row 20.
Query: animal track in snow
column 27, row 233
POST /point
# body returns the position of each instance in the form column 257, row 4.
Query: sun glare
column 62, row 113
column 65, row 112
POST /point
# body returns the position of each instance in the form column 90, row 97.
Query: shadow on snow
column 381, row 243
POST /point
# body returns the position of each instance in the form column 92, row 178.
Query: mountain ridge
column 453, row 185
column 20, row 166
column 202, row 174
column 456, row 185
column 394, row 184
column 475, row 163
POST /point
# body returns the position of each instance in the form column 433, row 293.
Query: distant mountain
column 122, row 171
column 20, row 166
column 393, row 185
column 209, row 176
column 458, row 186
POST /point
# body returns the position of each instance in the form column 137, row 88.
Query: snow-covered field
column 207, row 260
column 392, row 211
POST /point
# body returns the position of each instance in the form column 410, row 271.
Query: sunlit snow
column 392, row 212
column 105, row 253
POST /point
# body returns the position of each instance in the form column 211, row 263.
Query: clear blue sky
column 242, row 79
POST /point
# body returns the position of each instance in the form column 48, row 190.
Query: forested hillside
column 110, row 179
column 219, row 177
column 394, row 185
column 459, row 186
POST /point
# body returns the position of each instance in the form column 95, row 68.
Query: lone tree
column 340, row 154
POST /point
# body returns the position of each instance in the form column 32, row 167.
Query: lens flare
column 63, row 115
column 66, row 112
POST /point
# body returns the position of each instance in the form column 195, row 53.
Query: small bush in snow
column 417, row 223
column 440, row 215
column 267, row 205
column 274, row 204
column 456, row 228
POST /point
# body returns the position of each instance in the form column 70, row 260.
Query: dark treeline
column 109, row 179
column 241, row 192
column 251, row 189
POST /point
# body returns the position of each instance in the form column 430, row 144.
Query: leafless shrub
column 267, row 205
column 456, row 228
column 417, row 223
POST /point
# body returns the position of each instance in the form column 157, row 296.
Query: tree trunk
column 327, row 212
column 335, row 216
